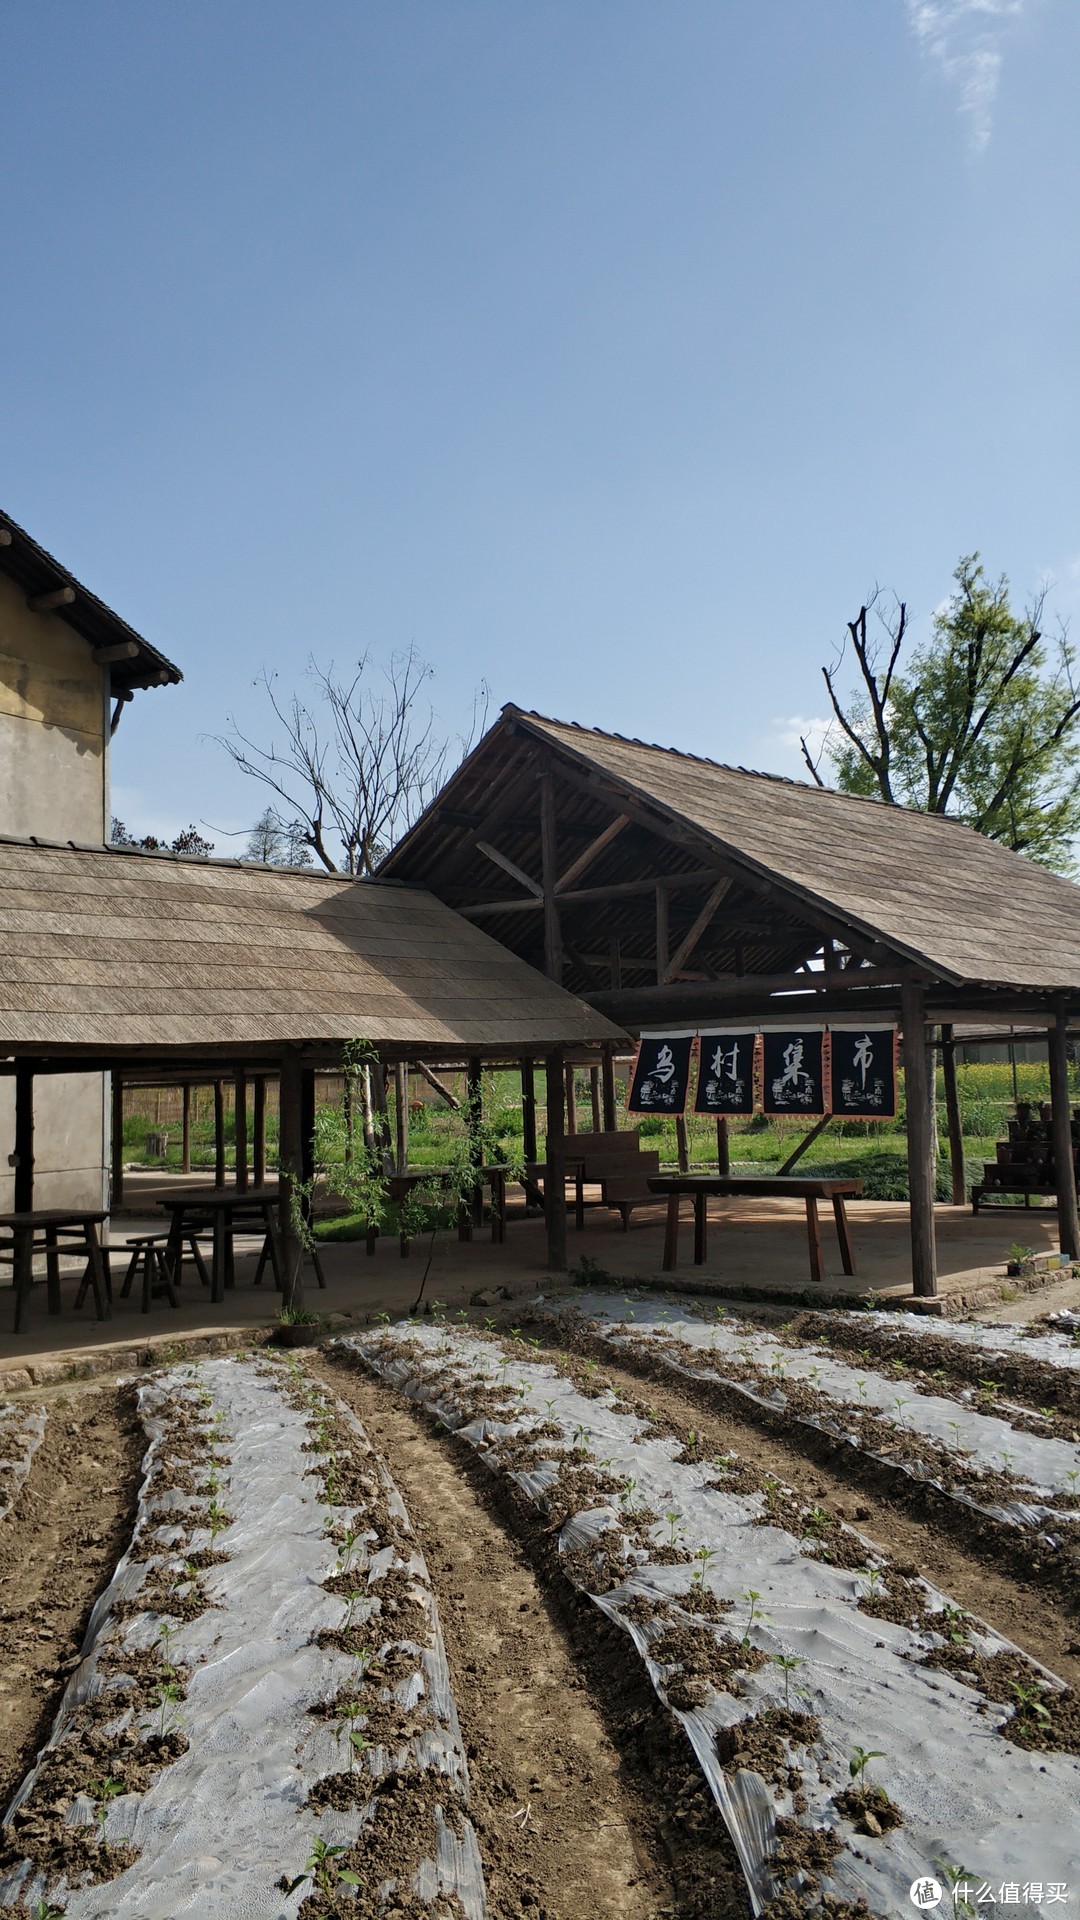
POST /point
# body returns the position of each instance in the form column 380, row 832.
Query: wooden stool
column 148, row 1251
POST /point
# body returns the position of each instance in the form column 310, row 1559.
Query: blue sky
column 607, row 352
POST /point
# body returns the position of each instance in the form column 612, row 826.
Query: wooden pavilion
column 664, row 889
column 165, row 967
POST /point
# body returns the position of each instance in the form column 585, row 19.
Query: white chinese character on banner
column 863, row 1058
column 665, row 1064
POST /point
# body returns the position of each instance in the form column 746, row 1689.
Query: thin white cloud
column 963, row 39
column 789, row 733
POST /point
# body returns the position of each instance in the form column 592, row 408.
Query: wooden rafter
column 592, row 851
column 690, row 939
column 509, row 866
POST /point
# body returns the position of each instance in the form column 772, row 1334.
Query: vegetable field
column 624, row 1609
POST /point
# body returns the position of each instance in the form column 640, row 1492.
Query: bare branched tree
column 982, row 722
column 357, row 763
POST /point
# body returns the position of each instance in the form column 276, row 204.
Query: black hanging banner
column 661, row 1076
column 863, row 1072
column 792, row 1080
column 726, row 1073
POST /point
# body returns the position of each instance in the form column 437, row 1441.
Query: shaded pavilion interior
column 668, row 891
column 163, row 967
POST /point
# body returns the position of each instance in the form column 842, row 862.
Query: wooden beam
column 120, row 650
column 291, row 1171
column 952, row 1115
column 219, row 1133
column 440, row 1086
column 258, row 1128
column 571, row 1100
column 555, row 1157
column 508, row 866
column 116, row 1194
column 919, row 1141
column 23, row 1157
column 528, row 1110
column 690, row 939
column 801, row 1145
column 677, row 997
column 594, row 1098
column 240, row 1132
column 1064, row 1170
column 723, row 1144
column 48, row 602
column 592, row 851
column 550, row 867
column 584, row 896
column 607, row 1075
column 401, row 1116
column 663, row 905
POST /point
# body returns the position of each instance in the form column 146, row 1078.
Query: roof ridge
column 179, row 859
column 726, row 766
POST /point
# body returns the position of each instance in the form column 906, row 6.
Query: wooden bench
column 764, row 1186
column 615, row 1163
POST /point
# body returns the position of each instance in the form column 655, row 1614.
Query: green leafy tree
column 982, row 723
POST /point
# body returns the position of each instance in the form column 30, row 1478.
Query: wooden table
column 41, row 1231
column 777, row 1187
column 400, row 1186
column 228, row 1208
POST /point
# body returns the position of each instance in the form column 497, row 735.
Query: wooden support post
column 347, row 1113
column 607, row 1076
column 682, row 1144
column 24, row 1136
column 258, row 1128
column 800, row 1147
column 307, row 1122
column 555, row 1177
column 594, row 1096
column 401, row 1116
column 528, row 1110
column 116, row 1196
column 919, row 1142
column 240, row 1130
column 723, row 1145
column 185, row 1128
column 474, row 1086
column 571, row 1101
column 1065, row 1172
column 291, row 1165
column 952, row 1115
column 549, row 855
column 219, row 1133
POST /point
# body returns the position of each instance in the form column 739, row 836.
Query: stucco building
column 68, row 666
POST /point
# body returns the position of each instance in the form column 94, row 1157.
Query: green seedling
column 778, row 1367
column 956, row 1430
column 751, row 1596
column 346, row 1551
column 358, row 1745
column 860, row 1386
column 691, row 1440
column 872, row 1576
column 703, row 1559
column 44, row 1910
column 101, row 1792
column 489, row 1326
column 550, row 1405
column 461, row 1314
column 352, row 1601
column 787, row 1663
column 627, row 1492
column 438, row 1309
column 581, row 1435
column 817, row 1520
column 955, row 1628
column 815, row 1376
column 1030, row 1705
column 382, row 1319
column 515, row 1333
column 1006, row 1461
column 673, row 1527
column 167, row 1699
column 859, row 1763
column 322, row 1870
column 901, row 1409
column 1073, row 1478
